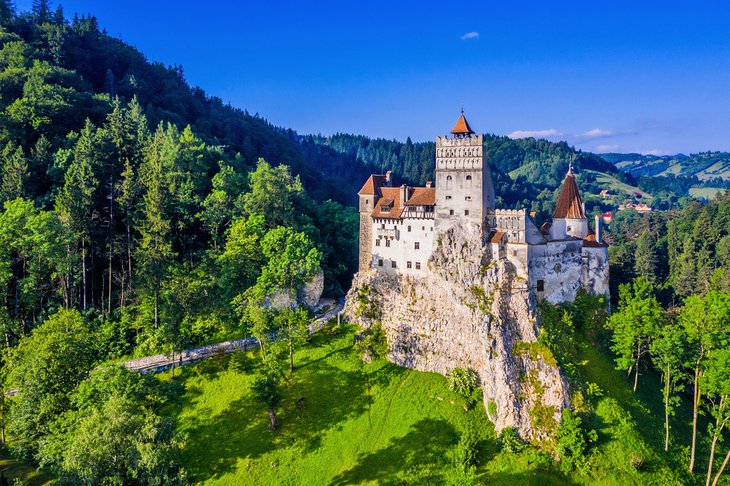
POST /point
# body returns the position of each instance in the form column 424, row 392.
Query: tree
column 14, row 173
column 155, row 249
column 646, row 263
column 266, row 389
column 273, row 193
column 74, row 202
column 291, row 325
column 667, row 350
column 703, row 320
column 639, row 315
column 113, row 434
column 716, row 382
column 46, row 367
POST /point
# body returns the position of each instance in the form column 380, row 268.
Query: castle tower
column 464, row 187
column 569, row 218
column 368, row 196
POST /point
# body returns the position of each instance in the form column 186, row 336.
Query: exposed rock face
column 471, row 312
column 307, row 296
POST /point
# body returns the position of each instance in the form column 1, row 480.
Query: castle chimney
column 403, row 195
column 428, row 183
column 599, row 229
column 389, row 179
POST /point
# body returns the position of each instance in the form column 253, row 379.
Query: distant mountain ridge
column 706, row 166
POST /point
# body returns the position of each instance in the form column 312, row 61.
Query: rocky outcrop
column 472, row 312
column 308, row 296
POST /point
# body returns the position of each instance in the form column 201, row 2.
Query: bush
column 372, row 343
column 509, row 441
column 240, row 362
column 463, row 381
column 467, row 450
column 573, row 442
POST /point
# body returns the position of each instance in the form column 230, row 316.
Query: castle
column 400, row 225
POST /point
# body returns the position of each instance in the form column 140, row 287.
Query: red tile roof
column 497, row 237
column 422, row 196
column 371, row 186
column 389, row 206
column 570, row 204
column 462, row 126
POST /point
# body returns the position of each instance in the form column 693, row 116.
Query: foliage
column 509, row 441
column 463, row 381
column 467, row 451
column 372, row 343
column 46, row 367
column 573, row 442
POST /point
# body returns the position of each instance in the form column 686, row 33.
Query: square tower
column 464, row 187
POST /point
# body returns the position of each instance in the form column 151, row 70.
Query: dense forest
column 711, row 168
column 140, row 215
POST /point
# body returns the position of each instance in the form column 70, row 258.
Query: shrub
column 463, row 381
column 373, row 342
column 509, row 441
column 467, row 450
column 240, row 362
column 573, row 442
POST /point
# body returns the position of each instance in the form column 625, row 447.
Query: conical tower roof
column 462, row 126
column 570, row 204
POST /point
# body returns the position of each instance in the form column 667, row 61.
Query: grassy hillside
column 346, row 422
column 705, row 166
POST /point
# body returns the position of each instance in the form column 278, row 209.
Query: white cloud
column 470, row 35
column 607, row 148
column 534, row 133
column 654, row 152
column 596, row 133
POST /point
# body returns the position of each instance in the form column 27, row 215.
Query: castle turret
column 368, row 196
column 569, row 218
column 463, row 179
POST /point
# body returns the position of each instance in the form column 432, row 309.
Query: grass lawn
column 615, row 185
column 705, row 192
column 346, row 422
column 11, row 468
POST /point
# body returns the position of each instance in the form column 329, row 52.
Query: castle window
column 541, row 286
column 467, row 198
column 409, row 229
column 417, row 246
column 514, row 252
column 468, row 178
column 382, row 226
column 466, row 212
column 451, row 212
column 448, row 197
column 380, row 262
column 408, row 264
column 387, row 242
column 418, row 265
column 392, row 264
column 377, row 242
column 423, row 228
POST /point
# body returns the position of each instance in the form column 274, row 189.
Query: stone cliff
column 473, row 312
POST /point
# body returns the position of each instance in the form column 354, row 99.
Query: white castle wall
column 403, row 236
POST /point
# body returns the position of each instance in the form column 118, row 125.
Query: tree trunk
column 272, row 418
column 695, row 410
column 83, row 268
column 722, row 468
column 716, row 434
column 666, row 408
column 173, row 366
column 291, row 355
column 157, row 302
column 636, row 375
column 111, row 242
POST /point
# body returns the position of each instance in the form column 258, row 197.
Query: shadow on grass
column 419, row 454
column 319, row 397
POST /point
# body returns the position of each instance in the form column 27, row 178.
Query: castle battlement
column 399, row 226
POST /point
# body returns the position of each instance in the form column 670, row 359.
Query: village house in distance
column 399, row 225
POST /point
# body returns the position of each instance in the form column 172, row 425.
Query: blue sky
column 644, row 76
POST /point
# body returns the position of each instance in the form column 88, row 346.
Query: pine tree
column 42, row 11
column 646, row 262
column 75, row 202
column 155, row 249
column 15, row 173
